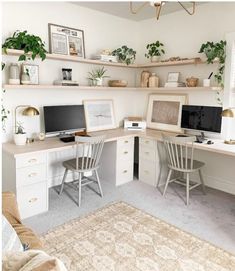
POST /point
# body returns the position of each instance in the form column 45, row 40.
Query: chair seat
column 71, row 164
column 196, row 165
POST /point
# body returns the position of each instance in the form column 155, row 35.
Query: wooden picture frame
column 33, row 71
column 164, row 111
column 99, row 115
column 66, row 40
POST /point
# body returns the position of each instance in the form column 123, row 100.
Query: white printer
column 134, row 123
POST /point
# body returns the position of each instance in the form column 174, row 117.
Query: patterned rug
column 120, row 237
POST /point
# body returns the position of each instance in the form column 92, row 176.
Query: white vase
column 99, row 82
column 155, row 58
column 20, row 139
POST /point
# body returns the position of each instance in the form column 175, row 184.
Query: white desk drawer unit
column 31, row 184
column 124, row 160
column 147, row 172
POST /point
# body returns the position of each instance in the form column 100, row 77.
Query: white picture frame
column 99, row 115
column 173, row 76
column 164, row 111
column 33, row 71
column 66, row 41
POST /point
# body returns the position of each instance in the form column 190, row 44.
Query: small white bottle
column 153, row 81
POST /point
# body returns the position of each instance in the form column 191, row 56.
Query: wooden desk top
column 54, row 144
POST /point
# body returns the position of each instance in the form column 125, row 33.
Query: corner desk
column 30, row 170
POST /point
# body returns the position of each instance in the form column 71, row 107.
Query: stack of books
column 174, row 84
column 106, row 58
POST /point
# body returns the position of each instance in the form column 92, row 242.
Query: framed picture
column 66, row 41
column 164, row 111
column 99, row 115
column 33, row 71
column 173, row 77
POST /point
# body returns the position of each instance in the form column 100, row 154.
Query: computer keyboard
column 68, row 139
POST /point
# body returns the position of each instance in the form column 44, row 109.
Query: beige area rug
column 120, row 237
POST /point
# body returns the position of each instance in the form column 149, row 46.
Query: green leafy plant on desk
column 32, row 45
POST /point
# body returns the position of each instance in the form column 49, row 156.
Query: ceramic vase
column 155, row 58
column 14, row 78
column 20, row 139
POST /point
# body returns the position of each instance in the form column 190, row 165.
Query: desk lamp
column 229, row 113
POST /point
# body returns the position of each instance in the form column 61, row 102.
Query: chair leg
column 202, row 182
column 98, row 182
column 79, row 189
column 64, row 178
column 167, row 181
column 187, row 188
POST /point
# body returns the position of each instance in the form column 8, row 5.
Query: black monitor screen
column 202, row 118
column 64, row 118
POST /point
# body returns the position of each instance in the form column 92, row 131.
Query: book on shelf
column 105, row 58
column 174, row 84
column 65, row 83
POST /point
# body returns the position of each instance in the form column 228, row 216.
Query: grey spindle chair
column 88, row 153
column 180, row 152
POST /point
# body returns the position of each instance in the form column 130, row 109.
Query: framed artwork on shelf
column 173, row 77
column 66, row 41
column 164, row 111
column 33, row 71
column 99, row 115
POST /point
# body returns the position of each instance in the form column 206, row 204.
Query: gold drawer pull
column 125, row 171
column 146, row 141
column 146, row 171
column 125, row 152
column 33, row 160
column 147, row 152
column 33, row 174
column 33, row 200
column 126, row 141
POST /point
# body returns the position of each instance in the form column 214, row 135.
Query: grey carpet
column 210, row 217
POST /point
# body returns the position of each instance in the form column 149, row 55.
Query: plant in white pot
column 20, row 135
column 96, row 76
column 155, row 50
column 125, row 54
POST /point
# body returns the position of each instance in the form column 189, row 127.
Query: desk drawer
column 32, row 199
column 147, row 142
column 124, row 173
column 30, row 160
column 147, row 153
column 125, row 153
column 124, row 142
column 147, row 172
column 30, row 175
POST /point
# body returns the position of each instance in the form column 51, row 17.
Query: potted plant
column 125, row 54
column 155, row 50
column 96, row 76
column 31, row 45
column 216, row 52
column 20, row 135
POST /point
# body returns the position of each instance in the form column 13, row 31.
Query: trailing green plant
column 97, row 74
column 4, row 111
column 216, row 52
column 155, row 49
column 19, row 128
column 32, row 45
column 125, row 54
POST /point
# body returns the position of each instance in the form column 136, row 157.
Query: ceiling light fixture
column 158, row 5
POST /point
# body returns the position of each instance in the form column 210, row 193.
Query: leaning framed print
column 66, row 41
column 164, row 111
column 99, row 115
column 33, row 71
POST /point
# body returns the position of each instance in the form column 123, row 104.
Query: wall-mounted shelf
column 192, row 61
column 110, row 88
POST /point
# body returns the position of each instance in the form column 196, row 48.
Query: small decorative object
column 153, row 81
column 117, row 83
column 206, row 82
column 29, row 140
column 173, row 77
column 96, row 76
column 192, row 82
column 25, row 78
column 14, row 74
column 41, row 136
column 20, row 135
column 33, row 71
column 67, row 74
column 216, row 52
column 106, row 52
column 99, row 115
column 125, row 54
column 155, row 50
column 66, row 41
column 164, row 111
column 144, row 79
column 32, row 45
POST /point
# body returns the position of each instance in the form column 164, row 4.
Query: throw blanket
column 31, row 260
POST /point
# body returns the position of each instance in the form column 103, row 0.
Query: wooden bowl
column 117, row 83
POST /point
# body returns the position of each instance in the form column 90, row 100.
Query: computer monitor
column 201, row 118
column 64, row 118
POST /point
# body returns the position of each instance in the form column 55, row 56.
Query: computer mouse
column 209, row 142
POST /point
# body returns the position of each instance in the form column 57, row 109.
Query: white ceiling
column 121, row 9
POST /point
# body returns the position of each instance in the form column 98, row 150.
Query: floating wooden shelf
column 191, row 61
column 110, row 88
